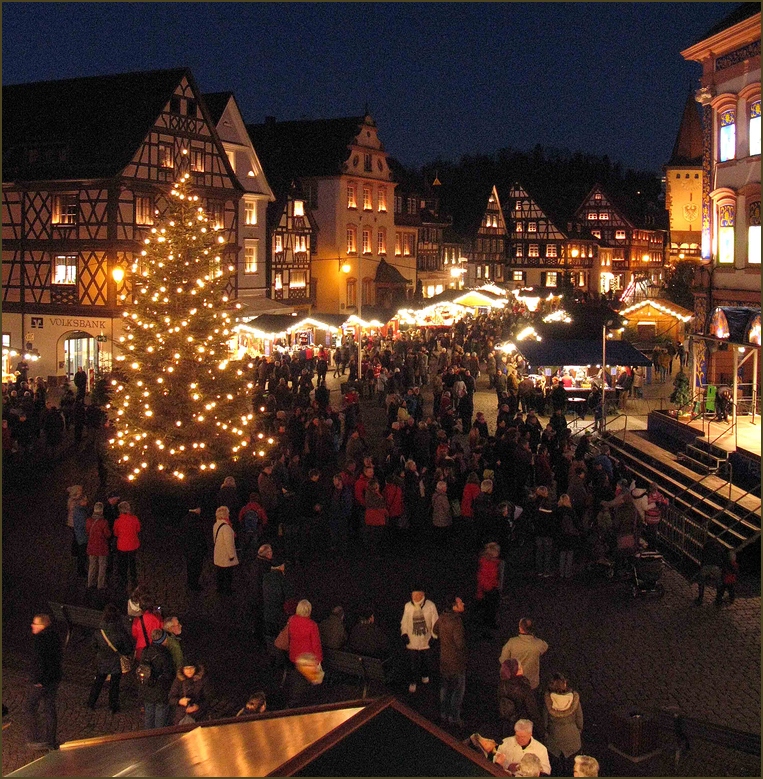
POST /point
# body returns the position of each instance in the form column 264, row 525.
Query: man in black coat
column 194, row 538
column 367, row 638
column 44, row 678
column 155, row 691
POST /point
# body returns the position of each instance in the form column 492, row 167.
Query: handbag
column 282, row 639
column 125, row 661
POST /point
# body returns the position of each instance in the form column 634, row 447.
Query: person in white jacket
column 225, row 557
column 419, row 617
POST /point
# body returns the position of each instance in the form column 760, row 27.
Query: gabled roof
column 97, row 122
column 389, row 274
column 739, row 14
column 292, row 150
column 687, row 149
column 557, row 220
column 469, row 206
column 216, row 103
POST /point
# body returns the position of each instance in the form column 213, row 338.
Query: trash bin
column 634, row 734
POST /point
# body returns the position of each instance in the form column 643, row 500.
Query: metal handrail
column 606, row 424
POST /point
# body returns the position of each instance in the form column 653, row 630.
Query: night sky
column 441, row 79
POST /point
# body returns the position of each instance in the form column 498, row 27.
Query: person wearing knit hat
column 98, row 534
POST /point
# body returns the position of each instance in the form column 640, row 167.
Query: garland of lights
column 182, row 406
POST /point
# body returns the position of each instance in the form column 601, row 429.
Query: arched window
column 352, row 239
column 727, row 135
column 754, row 127
column 753, row 233
column 726, row 220
column 352, row 293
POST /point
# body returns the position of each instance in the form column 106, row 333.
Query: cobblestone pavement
column 621, row 653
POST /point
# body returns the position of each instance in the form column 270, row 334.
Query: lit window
column 551, row 278
column 728, row 135
column 753, row 233
column 518, row 275
column 65, row 210
column 251, row 255
column 518, row 251
column 144, row 210
column 755, row 127
column 351, row 196
column 487, row 271
column 408, row 244
column 596, row 233
column 298, row 279
column 197, row 160
column 381, row 243
column 398, row 244
column 352, row 239
column 620, row 235
column 300, row 244
column 551, row 250
column 299, row 208
column 250, row 212
column 65, row 269
column 278, row 282
column 597, row 196
column 352, row 292
column 603, row 215
column 367, row 199
column 518, row 228
column 592, row 215
column 366, row 240
column 381, row 199
column 726, row 217
column 518, row 205
column 278, row 243
column 231, row 159
column 479, row 271
column 533, row 250
column 532, row 227
column 166, row 156
column 367, row 163
column 215, row 214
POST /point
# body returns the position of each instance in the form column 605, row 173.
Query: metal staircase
column 699, row 505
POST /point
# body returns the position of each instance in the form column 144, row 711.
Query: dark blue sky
column 441, row 79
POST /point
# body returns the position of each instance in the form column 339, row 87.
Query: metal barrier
column 682, row 534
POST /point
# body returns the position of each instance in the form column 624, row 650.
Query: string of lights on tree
column 182, row 406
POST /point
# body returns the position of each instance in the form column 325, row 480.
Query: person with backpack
column 155, row 674
column 252, row 520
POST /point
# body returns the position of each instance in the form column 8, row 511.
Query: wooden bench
column 79, row 617
column 365, row 669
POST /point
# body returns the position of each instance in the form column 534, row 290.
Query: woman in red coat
column 489, row 584
column 471, row 490
column 303, row 633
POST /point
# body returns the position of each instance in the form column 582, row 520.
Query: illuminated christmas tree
column 182, row 407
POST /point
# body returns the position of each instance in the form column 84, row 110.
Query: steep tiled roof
column 688, row 146
column 389, row 274
column 739, row 14
column 216, row 102
column 291, row 150
column 468, row 206
column 92, row 126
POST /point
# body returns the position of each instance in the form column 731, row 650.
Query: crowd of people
column 512, row 492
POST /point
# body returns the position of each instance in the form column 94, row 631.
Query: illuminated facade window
column 518, row 275
column 753, row 233
column 231, row 155
column 381, row 199
column 603, row 215
column 549, row 279
column 519, row 251
column 551, row 250
column 300, row 244
column 532, row 227
column 166, row 156
column 250, row 212
column 533, row 250
column 592, row 215
column 620, row 235
column 381, row 243
column 726, row 217
column 398, row 244
column 408, row 240
column 368, row 198
column 755, row 128
column 299, row 208
column 65, row 269
column 144, row 210
column 65, row 210
column 596, row 233
column 278, row 243
column 251, row 255
column 197, row 160
column 278, row 281
column 215, row 213
column 298, row 279
column 352, row 292
column 727, row 135
column 518, row 228
column 352, row 239
column 352, row 194
column 366, row 240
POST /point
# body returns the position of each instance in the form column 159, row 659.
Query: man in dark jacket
column 449, row 628
column 193, row 533
column 155, row 690
column 713, row 560
column 332, row 631
column 367, row 638
column 44, row 678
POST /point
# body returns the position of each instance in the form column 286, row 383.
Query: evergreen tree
column 181, row 407
column 680, row 395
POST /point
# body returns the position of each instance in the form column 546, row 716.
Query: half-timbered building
column 540, row 254
column 342, row 168
column 86, row 165
column 631, row 255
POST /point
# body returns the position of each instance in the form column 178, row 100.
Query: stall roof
column 258, row 306
column 359, row 738
column 579, row 352
column 663, row 306
column 272, row 324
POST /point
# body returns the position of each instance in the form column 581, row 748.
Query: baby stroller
column 647, row 569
